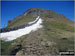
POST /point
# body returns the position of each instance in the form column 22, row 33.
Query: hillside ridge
column 34, row 12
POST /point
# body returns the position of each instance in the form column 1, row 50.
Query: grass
column 5, row 47
column 54, row 30
column 21, row 21
column 58, row 25
column 62, row 44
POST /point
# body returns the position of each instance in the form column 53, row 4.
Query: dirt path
column 34, row 46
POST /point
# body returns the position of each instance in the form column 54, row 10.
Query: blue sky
column 11, row 9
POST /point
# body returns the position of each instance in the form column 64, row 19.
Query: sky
column 11, row 9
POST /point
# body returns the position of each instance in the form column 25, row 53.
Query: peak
column 38, row 11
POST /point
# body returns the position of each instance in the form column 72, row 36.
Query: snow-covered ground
column 8, row 36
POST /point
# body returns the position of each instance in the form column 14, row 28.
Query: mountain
column 56, row 35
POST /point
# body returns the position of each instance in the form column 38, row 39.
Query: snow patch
column 8, row 36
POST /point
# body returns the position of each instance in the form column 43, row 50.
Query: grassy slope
column 21, row 21
column 57, row 29
column 54, row 30
column 5, row 47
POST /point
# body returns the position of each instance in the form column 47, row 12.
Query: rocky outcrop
column 35, row 12
column 38, row 11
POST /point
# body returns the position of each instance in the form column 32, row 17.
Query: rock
column 46, row 44
column 38, row 11
column 19, row 53
column 64, row 38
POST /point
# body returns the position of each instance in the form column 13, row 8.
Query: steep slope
column 23, row 30
column 56, row 35
column 30, row 15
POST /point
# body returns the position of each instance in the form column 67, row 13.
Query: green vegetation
column 5, row 47
column 21, row 21
column 60, row 32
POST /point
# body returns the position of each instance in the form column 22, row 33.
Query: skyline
column 12, row 9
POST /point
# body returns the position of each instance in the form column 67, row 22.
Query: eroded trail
column 34, row 45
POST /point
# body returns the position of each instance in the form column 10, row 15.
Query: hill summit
column 34, row 12
column 38, row 11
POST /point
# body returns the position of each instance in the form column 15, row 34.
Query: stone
column 64, row 38
column 46, row 44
